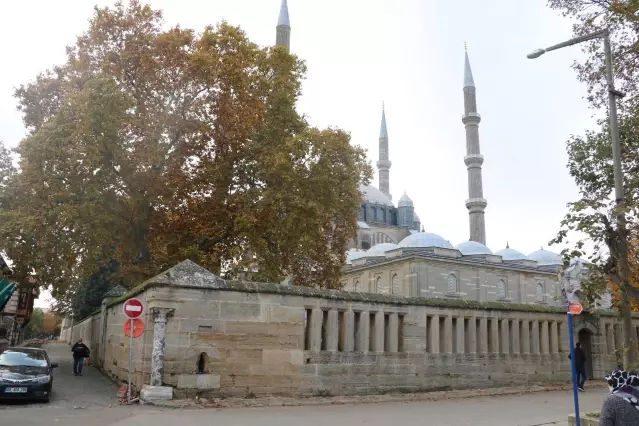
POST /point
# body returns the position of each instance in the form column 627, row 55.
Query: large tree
column 149, row 146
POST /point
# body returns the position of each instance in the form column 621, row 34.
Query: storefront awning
column 6, row 291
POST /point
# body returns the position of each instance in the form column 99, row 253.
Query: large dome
column 353, row 254
column 425, row 239
column 380, row 249
column 468, row 248
column 511, row 254
column 545, row 257
column 374, row 195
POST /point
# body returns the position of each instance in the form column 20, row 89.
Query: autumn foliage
column 150, row 146
column 633, row 259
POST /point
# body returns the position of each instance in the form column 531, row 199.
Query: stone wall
column 228, row 338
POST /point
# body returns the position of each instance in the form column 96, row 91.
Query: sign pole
column 131, row 362
column 575, row 393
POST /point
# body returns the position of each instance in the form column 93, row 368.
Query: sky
column 408, row 54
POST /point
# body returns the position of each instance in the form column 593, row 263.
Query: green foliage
column 35, row 324
column 89, row 294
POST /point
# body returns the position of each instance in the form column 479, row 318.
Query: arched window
column 501, row 289
column 381, row 288
column 452, row 284
column 357, row 286
column 396, row 289
column 541, row 292
column 201, row 363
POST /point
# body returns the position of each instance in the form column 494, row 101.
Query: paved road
column 86, row 400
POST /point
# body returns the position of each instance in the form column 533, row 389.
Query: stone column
column 525, row 336
column 347, row 335
column 433, row 334
column 564, row 344
column 448, row 335
column 160, row 318
column 472, row 335
column 494, row 335
column 393, row 333
column 535, row 337
column 379, row 332
column 460, row 335
column 554, row 337
column 315, row 335
column 515, row 336
column 362, row 336
column 505, row 337
column 332, row 330
column 544, row 337
column 483, row 335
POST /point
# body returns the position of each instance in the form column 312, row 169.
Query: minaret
column 476, row 203
column 283, row 34
column 383, row 165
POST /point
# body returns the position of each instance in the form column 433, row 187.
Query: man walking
column 580, row 366
column 80, row 351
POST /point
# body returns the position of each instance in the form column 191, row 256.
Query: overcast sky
column 409, row 54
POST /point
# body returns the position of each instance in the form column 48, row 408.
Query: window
column 396, row 284
column 201, row 363
column 381, row 288
column 452, row 284
column 357, row 286
column 541, row 293
column 501, row 289
column 26, row 358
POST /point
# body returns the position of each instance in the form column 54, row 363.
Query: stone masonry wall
column 243, row 339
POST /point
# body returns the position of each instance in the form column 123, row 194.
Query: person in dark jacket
column 80, row 351
column 621, row 407
column 580, row 366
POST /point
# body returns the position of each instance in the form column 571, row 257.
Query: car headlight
column 43, row 379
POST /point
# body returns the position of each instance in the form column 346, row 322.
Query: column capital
column 162, row 314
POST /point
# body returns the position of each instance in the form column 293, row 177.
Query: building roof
column 425, row 239
column 468, row 248
column 283, row 19
column 383, row 131
column 511, row 254
column 379, row 250
column 468, row 73
column 374, row 195
column 405, row 201
column 546, row 257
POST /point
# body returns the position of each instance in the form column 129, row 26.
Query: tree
column 7, row 172
column 36, row 324
column 149, row 146
column 88, row 295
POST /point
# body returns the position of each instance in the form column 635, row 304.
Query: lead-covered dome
column 405, row 201
column 468, row 248
column 353, row 254
column 374, row 195
column 511, row 254
column 546, row 257
column 380, row 249
column 425, row 239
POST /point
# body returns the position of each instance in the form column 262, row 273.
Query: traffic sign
column 137, row 328
column 133, row 308
column 575, row 309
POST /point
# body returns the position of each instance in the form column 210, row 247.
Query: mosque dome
column 416, row 218
column 546, row 257
column 405, row 201
column 380, row 249
column 374, row 195
column 353, row 254
column 511, row 254
column 468, row 248
column 425, row 239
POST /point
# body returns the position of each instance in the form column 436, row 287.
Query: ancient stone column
column 525, row 336
column 472, row 335
column 460, row 335
column 515, row 337
column 494, row 335
column 362, row 336
column 554, row 337
column 448, row 335
column 535, row 338
column 315, row 329
column 332, row 331
column 564, row 344
column 483, row 335
column 348, row 332
column 379, row 332
column 393, row 333
column 505, row 337
column 544, row 338
column 433, row 334
column 160, row 318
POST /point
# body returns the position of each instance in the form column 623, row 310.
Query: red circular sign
column 138, row 328
column 133, row 308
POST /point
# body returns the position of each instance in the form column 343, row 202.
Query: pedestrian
column 80, row 351
column 621, row 407
column 580, row 366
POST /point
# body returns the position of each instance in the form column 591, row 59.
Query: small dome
column 425, row 239
column 353, row 254
column 374, row 195
column 545, row 257
column 468, row 248
column 416, row 218
column 405, row 201
column 511, row 254
column 380, row 249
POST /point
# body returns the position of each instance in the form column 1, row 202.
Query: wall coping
column 189, row 275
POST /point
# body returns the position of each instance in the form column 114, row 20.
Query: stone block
column 156, row 393
column 198, row 381
column 240, row 311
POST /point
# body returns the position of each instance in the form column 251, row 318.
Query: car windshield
column 26, row 359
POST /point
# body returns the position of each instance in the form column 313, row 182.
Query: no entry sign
column 133, row 308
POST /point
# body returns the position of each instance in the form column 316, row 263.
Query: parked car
column 25, row 373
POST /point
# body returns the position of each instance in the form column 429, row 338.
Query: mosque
column 393, row 254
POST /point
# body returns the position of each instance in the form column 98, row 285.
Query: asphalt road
column 91, row 400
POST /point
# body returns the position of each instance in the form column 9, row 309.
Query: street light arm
column 577, row 40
